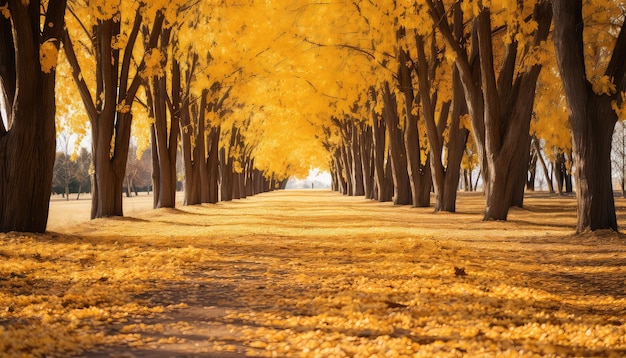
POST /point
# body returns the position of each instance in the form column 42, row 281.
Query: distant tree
column 64, row 171
column 83, row 171
column 138, row 171
column 64, row 166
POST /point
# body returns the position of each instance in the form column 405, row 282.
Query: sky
column 316, row 180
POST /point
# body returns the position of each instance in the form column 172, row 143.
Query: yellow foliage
column 620, row 108
column 48, row 54
column 603, row 85
column 154, row 64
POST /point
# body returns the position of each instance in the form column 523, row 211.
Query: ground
column 314, row 273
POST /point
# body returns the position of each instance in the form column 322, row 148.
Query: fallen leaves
column 203, row 280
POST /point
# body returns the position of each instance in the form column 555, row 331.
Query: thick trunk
column 596, row 207
column 591, row 117
column 402, row 187
column 108, row 181
column 27, row 143
column 508, row 111
column 520, row 188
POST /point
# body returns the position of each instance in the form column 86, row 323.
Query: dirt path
column 312, row 273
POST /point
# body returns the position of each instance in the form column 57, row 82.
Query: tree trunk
column 379, row 149
column 365, row 147
column 508, row 111
column 532, row 167
column 166, row 134
column 592, row 119
column 212, row 163
column 346, row 158
column 341, row 181
column 500, row 108
column 357, row 161
column 27, row 143
column 457, row 141
column 543, row 165
column 420, row 179
column 192, row 141
column 402, row 187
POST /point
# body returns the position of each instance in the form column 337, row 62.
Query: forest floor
column 313, row 273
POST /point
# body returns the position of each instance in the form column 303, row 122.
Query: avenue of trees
column 397, row 100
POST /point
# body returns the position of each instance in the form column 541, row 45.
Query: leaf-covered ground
column 312, row 273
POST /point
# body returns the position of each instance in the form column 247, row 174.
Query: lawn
column 314, row 273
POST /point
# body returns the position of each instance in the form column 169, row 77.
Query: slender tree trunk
column 190, row 135
column 365, row 148
column 357, row 160
column 379, row 149
column 457, row 141
column 543, row 166
column 402, row 187
column 532, row 167
column 420, row 179
column 212, row 163
column 347, row 166
column 166, row 134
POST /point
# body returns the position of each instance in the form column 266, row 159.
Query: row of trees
column 472, row 67
column 120, row 55
column 398, row 96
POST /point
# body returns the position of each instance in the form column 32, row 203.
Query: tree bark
column 27, row 143
column 357, row 160
column 500, row 108
column 213, row 163
column 365, row 148
column 379, row 149
column 591, row 119
column 402, row 187
column 419, row 174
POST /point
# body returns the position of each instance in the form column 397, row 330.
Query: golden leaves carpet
column 316, row 274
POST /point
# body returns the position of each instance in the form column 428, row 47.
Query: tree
column 29, row 44
column 500, row 105
column 107, row 50
column 592, row 118
column 83, row 171
column 64, row 166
